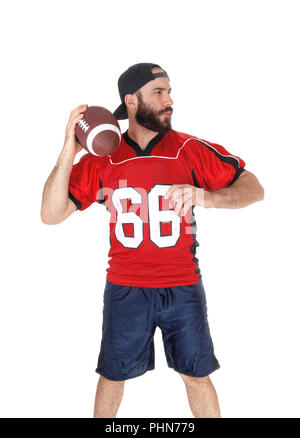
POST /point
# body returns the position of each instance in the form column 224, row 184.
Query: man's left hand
column 184, row 196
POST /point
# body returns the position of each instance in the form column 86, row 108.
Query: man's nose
column 169, row 101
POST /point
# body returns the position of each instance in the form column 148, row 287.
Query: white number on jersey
column 156, row 217
column 128, row 217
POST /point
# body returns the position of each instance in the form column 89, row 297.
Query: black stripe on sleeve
column 227, row 159
column 238, row 171
column 76, row 202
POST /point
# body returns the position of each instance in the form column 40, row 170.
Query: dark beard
column 150, row 120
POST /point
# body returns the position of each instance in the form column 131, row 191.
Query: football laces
column 83, row 125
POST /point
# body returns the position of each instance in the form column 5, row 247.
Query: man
column 150, row 185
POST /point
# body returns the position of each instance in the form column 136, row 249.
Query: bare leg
column 108, row 398
column 202, row 397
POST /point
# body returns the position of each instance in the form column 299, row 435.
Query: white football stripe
column 95, row 131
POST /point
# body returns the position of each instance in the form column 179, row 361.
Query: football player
column 150, row 185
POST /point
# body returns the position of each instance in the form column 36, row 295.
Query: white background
column 234, row 70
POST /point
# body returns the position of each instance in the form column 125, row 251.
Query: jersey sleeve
column 213, row 166
column 85, row 182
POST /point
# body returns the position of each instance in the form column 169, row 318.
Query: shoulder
column 191, row 140
column 192, row 143
column 180, row 137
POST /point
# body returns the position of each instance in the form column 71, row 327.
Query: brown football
column 98, row 131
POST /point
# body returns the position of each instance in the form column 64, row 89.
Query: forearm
column 245, row 191
column 55, row 193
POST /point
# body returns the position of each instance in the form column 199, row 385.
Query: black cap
column 132, row 80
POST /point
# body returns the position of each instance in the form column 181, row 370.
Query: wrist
column 209, row 199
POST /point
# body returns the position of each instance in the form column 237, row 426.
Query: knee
column 188, row 380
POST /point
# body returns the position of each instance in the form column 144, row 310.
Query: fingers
column 75, row 116
column 174, row 193
column 190, row 198
column 183, row 204
column 173, row 188
column 180, row 198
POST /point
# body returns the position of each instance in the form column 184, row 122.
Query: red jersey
column 151, row 246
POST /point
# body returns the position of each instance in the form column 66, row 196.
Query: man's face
column 154, row 105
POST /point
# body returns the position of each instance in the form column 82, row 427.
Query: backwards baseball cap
column 132, row 80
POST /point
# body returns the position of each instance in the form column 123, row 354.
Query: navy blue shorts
column 130, row 317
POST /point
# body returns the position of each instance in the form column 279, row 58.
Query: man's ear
column 130, row 101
